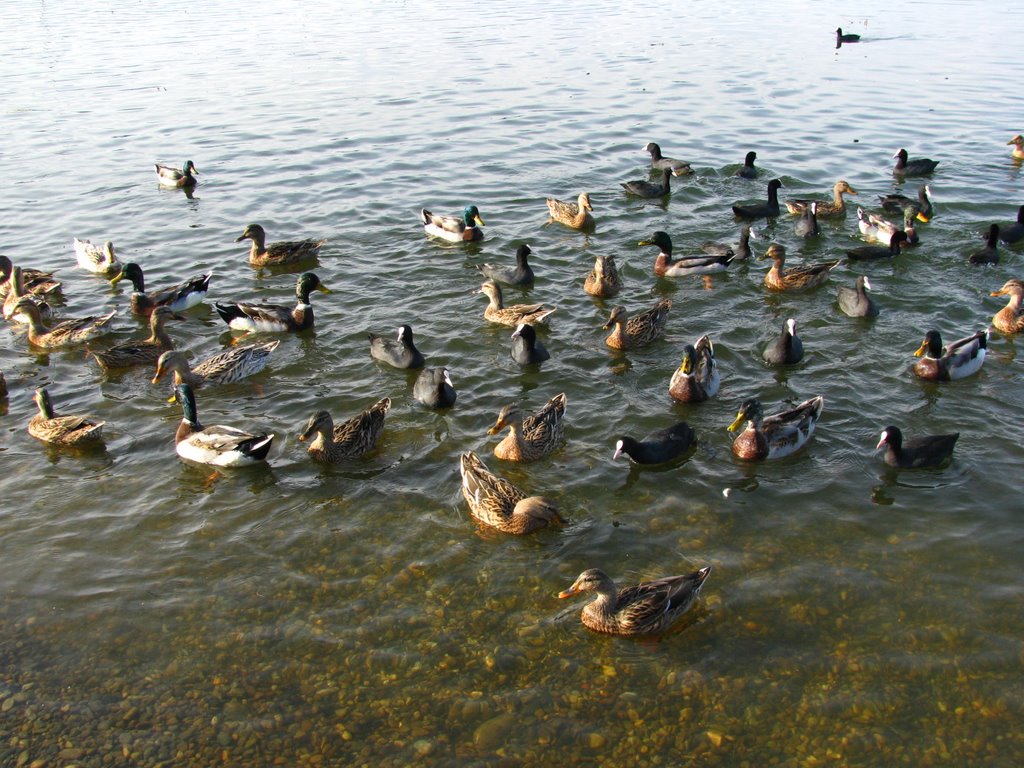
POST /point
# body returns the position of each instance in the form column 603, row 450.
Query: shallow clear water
column 164, row 613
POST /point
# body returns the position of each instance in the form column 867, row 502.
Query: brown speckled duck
column 604, row 280
column 775, row 436
column 531, row 437
column 348, row 440
column 630, row 332
column 68, row 331
column 497, row 312
column 496, row 502
column 834, row 207
column 1010, row 319
column 262, row 254
column 575, row 215
column 225, row 367
column 61, row 430
column 141, row 351
column 796, row 279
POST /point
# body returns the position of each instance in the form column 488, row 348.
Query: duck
column 603, row 280
column 520, row 274
column 647, row 608
column 1017, row 142
column 666, row 266
column 1011, row 232
column 530, row 437
column 434, row 388
column 769, row 209
column 748, row 171
column 739, row 252
column 631, row 332
column 455, row 229
column 275, row 254
column 497, row 503
column 1010, row 319
column 349, row 440
column 61, row 430
column 920, row 166
column 848, row 37
column 876, row 227
column 99, row 261
column 71, row 330
column 526, row 348
column 660, row 162
column 275, row 318
column 855, row 301
column 169, row 176
column 16, row 291
column 834, row 207
column 956, row 360
column 697, row 378
column 990, row 253
column 398, row 353
column 659, row 447
column 775, row 436
column 921, row 208
column 497, row 312
column 3, row 387
column 217, row 445
column 786, row 348
column 140, row 352
column 892, row 250
column 37, row 282
column 648, row 189
column 178, row 297
column 807, row 226
column 798, row 278
column 926, row 452
column 226, row 367
column 576, row 215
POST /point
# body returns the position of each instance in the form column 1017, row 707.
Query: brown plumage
column 61, row 430
column 604, row 280
column 834, row 207
column 779, row 278
column 348, row 440
column 262, row 254
column 530, row 437
column 575, row 215
column 69, row 331
column 496, row 502
column 630, row 332
column 497, row 312
column 1010, row 319
column 775, row 436
column 143, row 351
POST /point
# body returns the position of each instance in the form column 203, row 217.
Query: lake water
column 155, row 613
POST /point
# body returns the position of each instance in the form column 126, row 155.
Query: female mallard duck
column 926, row 452
column 532, row 437
column 274, row 318
column 495, row 502
column 455, row 229
column 919, row 166
column 399, row 353
column 434, row 388
column 630, row 332
column 659, row 447
column 666, row 266
column 642, row 609
column 226, row 367
column 16, row 291
column 178, row 297
column 604, row 280
column 878, row 228
column 748, row 170
column 497, row 312
column 889, row 251
column 797, row 279
column 660, row 162
column 1010, row 319
column 834, row 207
column 520, row 274
column 574, row 215
column 348, row 440
column 956, row 360
column 990, row 253
column 775, row 436
column 143, row 352
column 218, row 445
column 61, row 430
column 786, row 348
column 526, row 349
column 37, row 283
column 648, row 189
column 1017, row 142
column 855, row 302
column 921, row 208
column 768, row 209
column 283, row 252
column 100, row 261
column 1012, row 231
column 807, row 226
column 76, row 330
column 169, row 176
column 697, row 378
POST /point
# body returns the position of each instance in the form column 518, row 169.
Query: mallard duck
column 642, row 609
column 775, row 436
column 16, row 291
column 769, row 209
column 697, row 378
column 218, row 445
column 603, row 280
column 834, row 207
column 497, row 312
column 100, row 261
column 142, row 352
column 179, row 297
column 226, row 367
column 282, row 252
column 520, row 274
column 531, row 437
column 660, row 162
column 1010, row 319
column 845, row 38
column 275, row 318
column 399, row 353
column 926, row 452
column 455, row 229
column 855, row 302
column 61, row 430
column 786, row 348
column 648, row 189
column 956, row 360
column 630, row 332
column 71, row 330
column 920, row 166
column 990, row 253
column 666, row 266
column 807, row 226
column 797, row 279
column 494, row 501
column 526, row 349
column 878, row 228
column 659, row 447
column 168, row 176
column 739, row 252
column 37, row 283
column 575, row 215
column 348, row 440
column 1012, row 231
column 748, row 171
column 921, row 208
column 1017, row 142
column 890, row 251
column 434, row 388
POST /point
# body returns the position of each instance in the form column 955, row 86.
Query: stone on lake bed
column 492, row 733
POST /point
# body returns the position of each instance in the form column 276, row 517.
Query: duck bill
column 323, row 288
column 498, row 426
column 479, row 220
column 921, row 350
column 685, row 367
column 117, row 278
column 568, row 592
column 881, row 442
column 998, row 293
column 737, row 422
column 922, row 218
column 241, row 237
column 645, row 242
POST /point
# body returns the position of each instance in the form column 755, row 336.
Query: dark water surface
column 155, row 613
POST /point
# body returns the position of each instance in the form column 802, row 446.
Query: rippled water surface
column 156, row 613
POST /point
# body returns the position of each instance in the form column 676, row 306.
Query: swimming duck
column 400, row 352
column 496, row 502
column 575, row 215
column 630, row 332
column 775, row 436
column 140, row 352
column 497, row 312
column 926, row 452
column 769, row 209
column 863, row 252
column 1010, row 319
column 739, row 252
column 526, row 349
column 520, row 274
column 455, row 229
column 531, row 437
column 642, row 609
column 434, row 388
column 659, row 161
column 834, row 207
column 226, row 367
column 921, row 208
column 845, row 38
column 878, row 228
column 648, row 189
column 168, row 176
column 807, row 226
column 275, row 318
column 954, row 361
column 37, row 282
column 16, row 291
column 100, row 261
column 855, row 302
column 786, row 348
column 796, row 279
column 603, row 280
column 3, row 386
column 659, row 447
column 71, row 330
column 282, row 252
column 666, row 266
column 697, row 378
column 348, row 440
column 1018, row 147
column 178, row 297
column 748, row 171
column 990, row 253
column 217, row 445
column 920, row 166
column 61, row 430
column 1011, row 232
